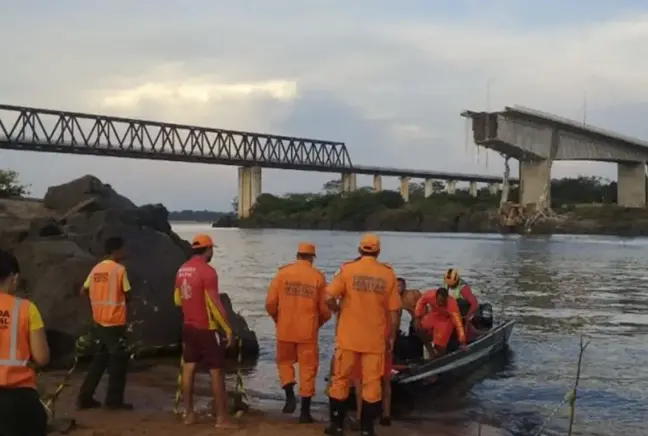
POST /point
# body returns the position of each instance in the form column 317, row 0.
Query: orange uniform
column 17, row 318
column 368, row 289
column 440, row 321
column 389, row 359
column 296, row 302
column 108, row 284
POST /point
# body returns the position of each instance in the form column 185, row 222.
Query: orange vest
column 107, row 298
column 14, row 343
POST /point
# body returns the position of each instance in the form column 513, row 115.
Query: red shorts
column 203, row 346
column 389, row 362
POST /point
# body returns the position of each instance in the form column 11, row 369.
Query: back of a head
column 442, row 292
column 8, row 265
column 113, row 244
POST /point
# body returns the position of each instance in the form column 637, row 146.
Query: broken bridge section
column 537, row 139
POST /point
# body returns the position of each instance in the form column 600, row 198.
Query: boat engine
column 483, row 319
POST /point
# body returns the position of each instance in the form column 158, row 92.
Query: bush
column 10, row 186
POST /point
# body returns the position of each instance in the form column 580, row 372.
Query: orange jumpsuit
column 296, row 303
column 439, row 321
column 368, row 290
column 463, row 291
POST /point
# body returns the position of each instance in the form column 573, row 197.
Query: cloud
column 389, row 80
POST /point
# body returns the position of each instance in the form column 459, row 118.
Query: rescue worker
column 461, row 292
column 108, row 288
column 206, row 332
column 440, row 321
column 296, row 302
column 22, row 344
column 368, row 292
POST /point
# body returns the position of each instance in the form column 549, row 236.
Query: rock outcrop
column 57, row 242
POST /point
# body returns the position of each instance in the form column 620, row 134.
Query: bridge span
column 537, row 139
column 53, row 131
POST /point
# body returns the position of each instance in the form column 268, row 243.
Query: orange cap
column 306, row 248
column 370, row 243
column 202, row 241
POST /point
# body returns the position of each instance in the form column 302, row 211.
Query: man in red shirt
column 205, row 330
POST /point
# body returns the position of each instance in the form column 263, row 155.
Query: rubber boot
column 291, row 402
column 337, row 414
column 305, row 416
column 368, row 417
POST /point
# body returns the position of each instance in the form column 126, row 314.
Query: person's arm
column 426, row 298
column 334, row 290
column 272, row 297
column 85, row 288
column 455, row 316
column 467, row 294
column 394, row 306
column 125, row 284
column 323, row 308
column 38, row 347
column 213, row 298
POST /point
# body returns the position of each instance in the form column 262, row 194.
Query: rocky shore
column 58, row 240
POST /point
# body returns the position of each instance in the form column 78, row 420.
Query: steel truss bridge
column 51, row 131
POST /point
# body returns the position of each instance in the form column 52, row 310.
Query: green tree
column 332, row 187
column 10, row 186
column 235, row 204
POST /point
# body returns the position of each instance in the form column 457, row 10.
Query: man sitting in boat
column 461, row 292
column 437, row 316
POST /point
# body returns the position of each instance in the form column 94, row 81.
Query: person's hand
column 229, row 340
column 463, row 347
column 390, row 344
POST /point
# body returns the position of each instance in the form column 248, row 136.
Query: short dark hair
column 113, row 244
column 198, row 251
column 8, row 265
column 402, row 280
column 442, row 292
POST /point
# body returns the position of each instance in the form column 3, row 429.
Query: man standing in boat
column 461, row 292
column 440, row 321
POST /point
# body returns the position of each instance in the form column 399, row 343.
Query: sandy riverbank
column 152, row 392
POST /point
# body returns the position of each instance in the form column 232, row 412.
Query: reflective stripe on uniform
column 13, row 338
column 113, row 291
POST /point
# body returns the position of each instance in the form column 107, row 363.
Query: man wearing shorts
column 205, row 330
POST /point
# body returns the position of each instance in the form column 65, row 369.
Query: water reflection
column 555, row 287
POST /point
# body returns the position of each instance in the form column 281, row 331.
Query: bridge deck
column 49, row 131
column 527, row 134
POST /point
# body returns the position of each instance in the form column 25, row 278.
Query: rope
column 568, row 398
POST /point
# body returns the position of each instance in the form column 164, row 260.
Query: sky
column 387, row 78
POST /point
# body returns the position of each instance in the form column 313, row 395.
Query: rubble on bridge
column 58, row 240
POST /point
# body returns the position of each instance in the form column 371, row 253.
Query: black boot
column 305, row 415
column 291, row 402
column 337, row 413
column 367, row 417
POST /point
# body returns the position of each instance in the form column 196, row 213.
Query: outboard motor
column 483, row 319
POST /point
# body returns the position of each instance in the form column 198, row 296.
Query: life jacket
column 107, row 298
column 455, row 292
column 14, row 343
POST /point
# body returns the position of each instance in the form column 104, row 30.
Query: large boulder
column 58, row 245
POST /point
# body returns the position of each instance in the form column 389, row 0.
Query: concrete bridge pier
column 249, row 189
column 429, row 187
column 494, row 188
column 377, row 183
column 534, row 177
column 472, row 189
column 451, row 187
column 631, row 184
column 349, row 183
column 404, row 188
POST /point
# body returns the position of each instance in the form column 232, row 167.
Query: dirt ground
column 152, row 395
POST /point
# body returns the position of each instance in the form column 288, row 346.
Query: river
column 557, row 288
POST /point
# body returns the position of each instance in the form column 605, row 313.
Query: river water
column 557, row 288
